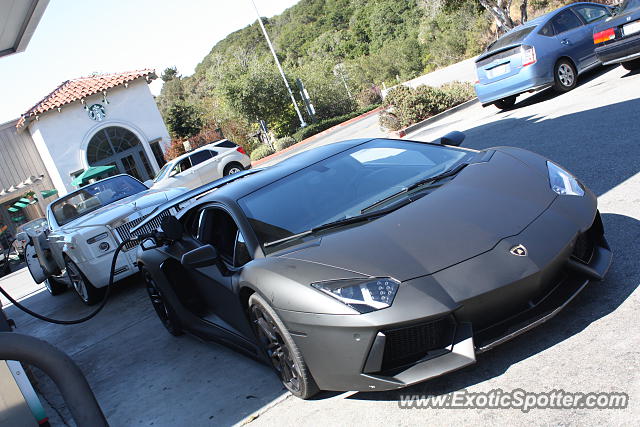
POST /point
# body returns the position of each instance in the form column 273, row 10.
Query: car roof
column 208, row 146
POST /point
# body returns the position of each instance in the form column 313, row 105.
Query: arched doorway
column 120, row 147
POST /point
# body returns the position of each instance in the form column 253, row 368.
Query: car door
column 217, row 284
column 205, row 166
column 574, row 38
column 591, row 14
column 183, row 176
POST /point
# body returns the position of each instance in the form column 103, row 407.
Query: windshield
column 342, row 185
column 630, row 4
column 162, row 172
column 95, row 196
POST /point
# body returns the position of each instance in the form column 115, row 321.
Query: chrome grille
column 124, row 231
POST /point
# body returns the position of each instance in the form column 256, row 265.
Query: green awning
column 27, row 201
column 20, row 205
column 12, row 209
column 91, row 173
column 17, row 219
column 49, row 193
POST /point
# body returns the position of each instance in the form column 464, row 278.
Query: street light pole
column 266, row 36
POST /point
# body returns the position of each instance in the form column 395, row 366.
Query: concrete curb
column 312, row 137
column 417, row 126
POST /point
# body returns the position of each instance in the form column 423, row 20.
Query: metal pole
column 266, row 36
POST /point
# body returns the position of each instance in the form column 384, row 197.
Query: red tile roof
column 77, row 89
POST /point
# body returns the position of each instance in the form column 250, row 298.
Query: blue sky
column 78, row 37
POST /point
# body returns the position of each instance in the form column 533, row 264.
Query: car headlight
column 562, row 182
column 364, row 295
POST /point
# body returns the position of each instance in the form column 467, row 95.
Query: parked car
column 202, row 165
column 549, row 51
column 23, row 232
column 83, row 231
column 374, row 264
column 617, row 39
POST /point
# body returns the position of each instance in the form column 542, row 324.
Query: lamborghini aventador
column 373, row 264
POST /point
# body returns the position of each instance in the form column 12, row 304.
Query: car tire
column 88, row 293
column 165, row 313
column 631, row 65
column 280, row 349
column 506, row 103
column 232, row 168
column 54, row 287
column 565, row 76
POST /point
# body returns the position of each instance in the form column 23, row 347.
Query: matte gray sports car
column 373, row 264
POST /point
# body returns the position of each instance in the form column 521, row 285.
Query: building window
column 119, row 147
column 157, row 152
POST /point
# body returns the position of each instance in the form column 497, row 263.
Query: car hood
column 485, row 203
column 120, row 211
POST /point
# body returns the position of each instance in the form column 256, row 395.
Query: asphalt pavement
column 143, row 376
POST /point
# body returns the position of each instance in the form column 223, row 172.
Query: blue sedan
column 549, row 51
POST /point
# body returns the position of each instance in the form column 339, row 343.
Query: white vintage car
column 84, row 229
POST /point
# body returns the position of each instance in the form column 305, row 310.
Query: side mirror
column 148, row 183
column 454, row 138
column 204, row 256
column 172, row 228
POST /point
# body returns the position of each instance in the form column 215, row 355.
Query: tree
column 169, row 73
column 183, row 120
column 501, row 11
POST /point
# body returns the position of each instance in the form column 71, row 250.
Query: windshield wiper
column 418, row 184
column 340, row 223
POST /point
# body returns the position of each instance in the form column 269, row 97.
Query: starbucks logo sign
column 97, row 112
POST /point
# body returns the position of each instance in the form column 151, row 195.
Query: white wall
column 62, row 137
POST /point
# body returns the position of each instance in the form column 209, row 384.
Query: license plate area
column 631, row 28
column 498, row 71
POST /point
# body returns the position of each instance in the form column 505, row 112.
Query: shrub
column 389, row 121
column 368, row 96
column 261, row 152
column 283, row 143
column 413, row 105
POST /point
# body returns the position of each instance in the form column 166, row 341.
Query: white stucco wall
column 62, row 137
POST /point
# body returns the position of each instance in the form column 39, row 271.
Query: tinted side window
column 565, row 21
column 241, row 254
column 547, row 30
column 591, row 13
column 200, row 156
column 182, row 166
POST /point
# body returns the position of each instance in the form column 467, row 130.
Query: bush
column 283, row 143
column 261, row 152
column 368, row 96
column 414, row 105
column 389, row 121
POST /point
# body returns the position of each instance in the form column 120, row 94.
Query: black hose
column 83, row 319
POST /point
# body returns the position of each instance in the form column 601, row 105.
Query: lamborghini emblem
column 519, row 250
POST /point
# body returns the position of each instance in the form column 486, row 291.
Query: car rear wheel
column 565, row 76
column 88, row 293
column 506, row 103
column 281, row 350
column 164, row 312
column 54, row 287
column 232, row 168
column 631, row 65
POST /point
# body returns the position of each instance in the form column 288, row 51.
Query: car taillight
column 241, row 150
column 528, row 55
column 604, row 36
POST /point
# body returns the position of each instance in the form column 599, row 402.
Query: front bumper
column 621, row 50
column 510, row 296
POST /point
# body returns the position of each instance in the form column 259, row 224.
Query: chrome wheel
column 77, row 280
column 276, row 347
column 234, row 170
column 566, row 76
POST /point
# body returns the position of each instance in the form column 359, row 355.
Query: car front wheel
column 281, row 350
column 164, row 312
column 232, row 168
column 565, row 76
column 88, row 293
column 631, row 65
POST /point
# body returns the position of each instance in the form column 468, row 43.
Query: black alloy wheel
column 281, row 350
column 164, row 312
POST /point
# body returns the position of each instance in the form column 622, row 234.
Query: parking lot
column 143, row 376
